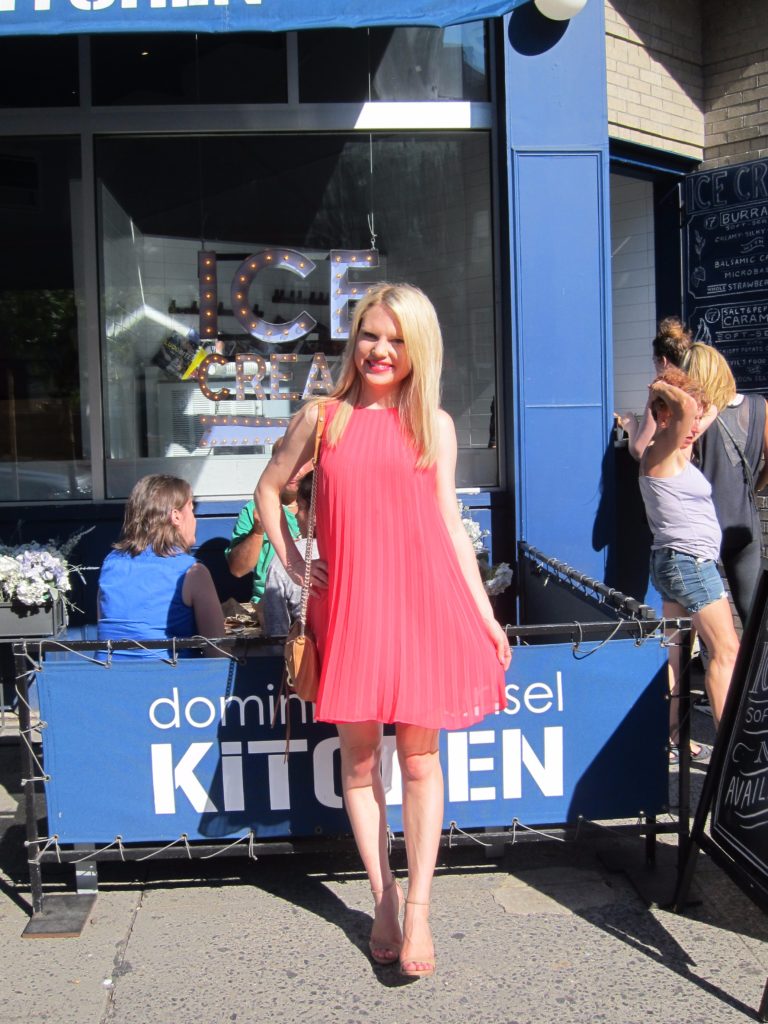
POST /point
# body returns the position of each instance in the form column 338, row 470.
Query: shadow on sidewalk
column 714, row 900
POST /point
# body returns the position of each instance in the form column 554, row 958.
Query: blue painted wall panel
column 561, row 389
column 559, row 244
column 561, row 483
column 556, row 78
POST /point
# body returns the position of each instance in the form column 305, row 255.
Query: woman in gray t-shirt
column 686, row 535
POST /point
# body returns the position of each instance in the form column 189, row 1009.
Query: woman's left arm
column 199, row 593
column 449, row 509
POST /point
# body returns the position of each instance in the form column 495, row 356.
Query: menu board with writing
column 734, row 796
column 740, row 807
column 726, row 266
column 739, row 816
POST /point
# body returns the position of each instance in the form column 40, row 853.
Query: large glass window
column 174, row 67
column 39, row 71
column 42, row 429
column 393, row 64
column 424, row 197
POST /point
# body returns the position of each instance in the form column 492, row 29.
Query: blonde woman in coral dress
column 408, row 635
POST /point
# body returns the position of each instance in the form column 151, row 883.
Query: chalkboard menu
column 726, row 266
column 735, row 792
column 739, row 814
column 734, row 796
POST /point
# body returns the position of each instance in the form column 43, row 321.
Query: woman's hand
column 626, row 420
column 318, row 578
column 678, row 400
column 500, row 642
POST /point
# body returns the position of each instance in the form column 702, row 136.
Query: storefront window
column 39, row 71
column 182, row 68
column 42, row 428
column 393, row 64
column 191, row 371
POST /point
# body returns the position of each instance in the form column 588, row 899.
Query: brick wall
column 689, row 77
column 654, row 71
column 735, row 53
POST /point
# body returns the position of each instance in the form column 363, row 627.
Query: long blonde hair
column 419, row 400
column 707, row 367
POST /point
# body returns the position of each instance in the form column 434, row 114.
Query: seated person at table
column 250, row 549
column 150, row 587
column 281, row 602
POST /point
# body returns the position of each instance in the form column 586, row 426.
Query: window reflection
column 429, row 195
column 413, row 64
column 42, row 426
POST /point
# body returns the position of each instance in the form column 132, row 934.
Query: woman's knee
column 725, row 649
column 723, row 645
column 360, row 758
column 415, row 767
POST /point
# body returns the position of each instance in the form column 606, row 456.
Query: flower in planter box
column 496, row 578
column 35, row 574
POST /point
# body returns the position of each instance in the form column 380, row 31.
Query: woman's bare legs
column 363, row 789
column 715, row 626
column 672, row 610
column 418, row 755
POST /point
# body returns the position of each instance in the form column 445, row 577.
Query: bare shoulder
column 303, row 425
column 308, row 415
column 445, row 425
column 198, row 573
column 447, row 445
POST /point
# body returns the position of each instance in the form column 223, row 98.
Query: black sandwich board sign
column 735, row 791
column 725, row 288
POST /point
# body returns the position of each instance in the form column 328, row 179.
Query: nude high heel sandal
column 418, row 966
column 386, row 953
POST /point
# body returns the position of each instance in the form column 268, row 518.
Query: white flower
column 35, row 574
column 496, row 578
column 472, row 529
column 501, row 579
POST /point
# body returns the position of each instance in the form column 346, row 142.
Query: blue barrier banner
column 149, row 752
column 48, row 17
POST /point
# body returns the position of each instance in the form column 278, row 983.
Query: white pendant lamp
column 560, row 10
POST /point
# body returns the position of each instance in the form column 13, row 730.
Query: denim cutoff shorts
column 690, row 581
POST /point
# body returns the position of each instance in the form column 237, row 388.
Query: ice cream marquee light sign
column 251, row 368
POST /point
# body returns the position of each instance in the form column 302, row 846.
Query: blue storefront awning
column 52, row 17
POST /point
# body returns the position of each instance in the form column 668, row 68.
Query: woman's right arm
column 640, row 433
column 297, row 448
column 662, row 457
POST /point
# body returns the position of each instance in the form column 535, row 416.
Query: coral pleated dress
column 401, row 638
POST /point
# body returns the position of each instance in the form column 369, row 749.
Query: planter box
column 19, row 622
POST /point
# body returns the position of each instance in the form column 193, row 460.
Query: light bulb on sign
column 255, row 325
column 358, row 260
column 560, row 10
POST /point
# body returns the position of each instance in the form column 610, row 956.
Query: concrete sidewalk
column 547, row 933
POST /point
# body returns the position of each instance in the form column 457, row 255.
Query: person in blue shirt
column 150, row 587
